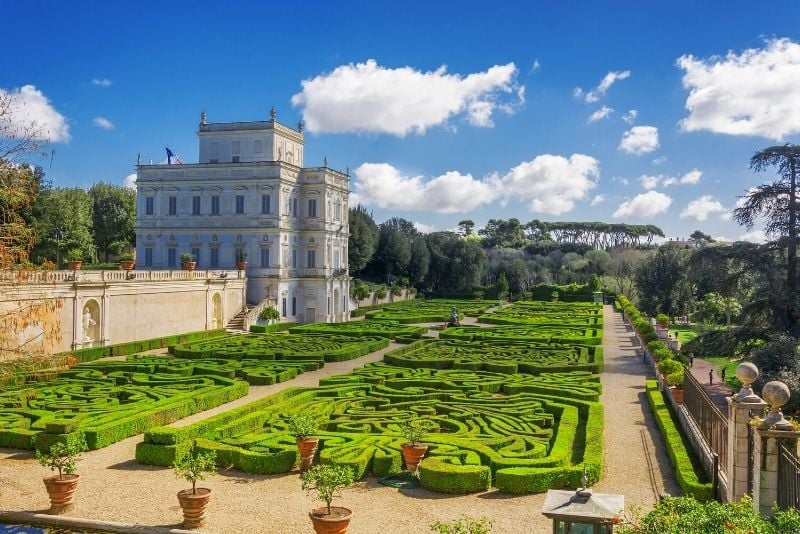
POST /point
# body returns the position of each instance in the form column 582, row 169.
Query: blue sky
column 440, row 113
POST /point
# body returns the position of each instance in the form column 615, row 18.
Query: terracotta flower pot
column 194, row 506
column 75, row 265
column 241, row 265
column 334, row 523
column 413, row 454
column 126, row 265
column 62, row 492
column 677, row 395
column 307, row 448
column 188, row 265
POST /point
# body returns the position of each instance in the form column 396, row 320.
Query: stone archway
column 90, row 323
column 216, row 311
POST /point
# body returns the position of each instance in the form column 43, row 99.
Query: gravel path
column 636, row 461
column 717, row 390
column 114, row 487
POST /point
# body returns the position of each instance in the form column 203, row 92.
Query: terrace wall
column 123, row 306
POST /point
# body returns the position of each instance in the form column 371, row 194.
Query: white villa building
column 250, row 194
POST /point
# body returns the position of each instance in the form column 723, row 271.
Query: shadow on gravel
column 16, row 454
column 133, row 465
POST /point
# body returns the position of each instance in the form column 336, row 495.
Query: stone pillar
column 739, row 408
column 772, row 431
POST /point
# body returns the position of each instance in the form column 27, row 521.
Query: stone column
column 739, row 408
column 770, row 433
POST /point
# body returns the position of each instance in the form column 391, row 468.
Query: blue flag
column 170, row 155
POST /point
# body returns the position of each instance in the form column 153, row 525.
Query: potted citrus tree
column 413, row 430
column 302, row 426
column 194, row 466
column 663, row 320
column 188, row 261
column 326, row 480
column 62, row 457
column 74, row 259
column 241, row 260
column 269, row 314
column 126, row 262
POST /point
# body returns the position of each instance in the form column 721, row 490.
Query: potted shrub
column 380, row 291
column 126, row 262
column 194, row 466
column 413, row 430
column 241, row 260
column 663, row 320
column 554, row 296
column 188, row 261
column 74, row 259
column 325, row 480
column 269, row 314
column 302, row 426
column 62, row 457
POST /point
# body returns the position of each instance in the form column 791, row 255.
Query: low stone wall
column 372, row 300
column 97, row 308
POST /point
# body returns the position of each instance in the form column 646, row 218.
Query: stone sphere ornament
column 776, row 394
column 747, row 373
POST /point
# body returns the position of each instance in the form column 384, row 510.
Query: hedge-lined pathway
column 636, row 461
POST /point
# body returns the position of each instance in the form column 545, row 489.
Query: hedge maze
column 516, row 407
column 387, row 329
column 548, row 313
column 430, row 311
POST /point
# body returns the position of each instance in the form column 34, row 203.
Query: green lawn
column 730, row 369
column 685, row 332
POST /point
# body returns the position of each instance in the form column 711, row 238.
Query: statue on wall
column 88, row 322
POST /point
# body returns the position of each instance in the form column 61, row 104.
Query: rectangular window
column 312, row 207
column 213, row 261
column 336, row 263
column 329, row 306
column 196, row 205
column 283, row 307
column 312, row 259
column 289, row 206
column 294, row 258
column 148, row 205
column 215, row 205
column 294, row 306
column 265, row 257
column 235, row 147
column 196, row 254
column 148, row 257
column 239, row 204
column 294, row 208
column 173, row 205
column 266, row 201
column 172, row 256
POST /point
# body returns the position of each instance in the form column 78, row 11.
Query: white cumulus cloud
column 752, row 93
column 639, row 140
column 691, row 177
column 650, row 182
column 605, row 84
column 630, row 116
column 598, row 199
column 548, row 183
column 101, row 82
column 369, row 98
column 600, row 114
column 424, row 228
column 702, row 207
column 130, row 181
column 102, row 122
column 31, row 110
column 643, row 206
column 653, row 181
column 754, row 236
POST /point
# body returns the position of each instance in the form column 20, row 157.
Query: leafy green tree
column 404, row 226
column 393, row 252
column 697, row 235
column 466, row 227
column 456, row 264
column 658, row 279
column 65, row 223
column 502, row 286
column 500, row 233
column 113, row 217
column 777, row 204
column 363, row 238
column 419, row 262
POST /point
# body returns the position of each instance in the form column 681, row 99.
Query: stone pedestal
column 765, row 463
column 738, row 443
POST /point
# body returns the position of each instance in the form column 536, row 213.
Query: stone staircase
column 236, row 324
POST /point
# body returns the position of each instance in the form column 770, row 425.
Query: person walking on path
column 723, row 375
column 691, row 359
column 710, row 377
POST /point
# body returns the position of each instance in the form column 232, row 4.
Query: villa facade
column 250, row 194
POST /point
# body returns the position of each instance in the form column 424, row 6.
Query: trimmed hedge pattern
column 540, row 334
column 559, row 314
column 430, row 311
column 387, row 329
column 124, row 349
column 677, row 448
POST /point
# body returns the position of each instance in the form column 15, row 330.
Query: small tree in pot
column 326, row 480
column 188, row 261
column 241, row 260
column 74, row 259
column 126, row 261
column 269, row 314
column 413, row 430
column 194, row 466
column 62, row 457
column 303, row 426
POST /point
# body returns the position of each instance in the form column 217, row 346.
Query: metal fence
column 788, row 478
column 712, row 423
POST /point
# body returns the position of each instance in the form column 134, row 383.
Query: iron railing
column 712, row 423
column 788, row 478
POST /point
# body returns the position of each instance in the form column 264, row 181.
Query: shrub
column 326, row 480
column 187, row 257
column 463, row 525
column 397, row 290
column 269, row 313
column 194, row 466
column 447, row 475
column 380, row 292
column 667, row 366
column 62, row 456
column 662, row 319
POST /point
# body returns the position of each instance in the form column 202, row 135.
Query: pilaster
column 738, row 444
column 765, row 462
